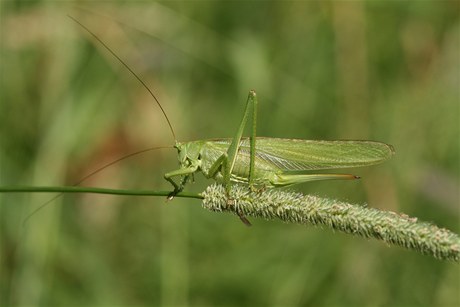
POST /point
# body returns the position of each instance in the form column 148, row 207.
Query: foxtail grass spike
column 294, row 207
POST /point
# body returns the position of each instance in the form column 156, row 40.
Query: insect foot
column 172, row 195
column 258, row 190
column 230, row 204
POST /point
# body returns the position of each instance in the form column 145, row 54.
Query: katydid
column 271, row 162
column 263, row 162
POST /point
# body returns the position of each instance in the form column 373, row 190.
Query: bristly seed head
column 294, row 207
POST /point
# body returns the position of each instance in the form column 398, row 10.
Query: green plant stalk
column 294, row 207
column 75, row 189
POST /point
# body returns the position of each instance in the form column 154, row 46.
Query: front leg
column 185, row 172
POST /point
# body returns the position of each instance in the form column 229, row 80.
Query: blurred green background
column 379, row 70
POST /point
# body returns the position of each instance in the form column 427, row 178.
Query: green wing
column 301, row 155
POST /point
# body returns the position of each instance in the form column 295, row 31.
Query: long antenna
column 129, row 69
column 90, row 175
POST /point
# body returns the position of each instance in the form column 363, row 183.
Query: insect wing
column 302, row 155
column 298, row 155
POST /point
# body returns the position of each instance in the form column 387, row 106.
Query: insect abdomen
column 211, row 151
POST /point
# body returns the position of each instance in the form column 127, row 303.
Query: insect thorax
column 188, row 153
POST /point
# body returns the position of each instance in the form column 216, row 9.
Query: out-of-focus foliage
column 386, row 71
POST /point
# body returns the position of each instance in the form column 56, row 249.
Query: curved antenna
column 90, row 175
column 130, row 70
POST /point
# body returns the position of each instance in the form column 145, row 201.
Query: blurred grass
column 386, row 71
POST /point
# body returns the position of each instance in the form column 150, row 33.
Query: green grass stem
column 71, row 189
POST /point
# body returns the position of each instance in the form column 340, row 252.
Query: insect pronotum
column 262, row 162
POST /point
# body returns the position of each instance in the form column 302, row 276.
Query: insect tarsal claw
column 171, row 195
